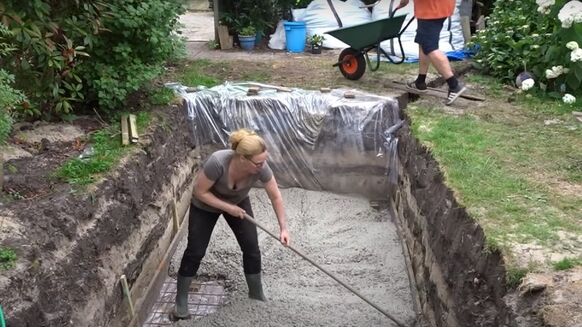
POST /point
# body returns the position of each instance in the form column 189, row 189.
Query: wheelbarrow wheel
column 352, row 64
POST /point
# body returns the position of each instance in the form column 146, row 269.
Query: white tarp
column 319, row 19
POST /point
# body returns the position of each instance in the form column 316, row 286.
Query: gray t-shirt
column 216, row 169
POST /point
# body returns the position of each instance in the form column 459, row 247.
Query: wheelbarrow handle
column 394, row 12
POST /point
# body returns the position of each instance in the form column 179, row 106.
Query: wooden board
column 133, row 136
column 278, row 88
column 224, row 38
column 441, row 93
column 124, row 130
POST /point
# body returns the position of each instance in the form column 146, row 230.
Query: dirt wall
column 74, row 245
column 459, row 281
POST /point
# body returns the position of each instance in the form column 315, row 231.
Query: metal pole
column 250, row 219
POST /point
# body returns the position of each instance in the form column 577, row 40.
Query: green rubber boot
column 255, row 287
column 180, row 312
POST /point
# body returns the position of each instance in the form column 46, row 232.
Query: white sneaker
column 453, row 95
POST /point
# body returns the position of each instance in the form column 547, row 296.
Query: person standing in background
column 431, row 14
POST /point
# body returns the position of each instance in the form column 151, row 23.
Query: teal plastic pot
column 247, row 42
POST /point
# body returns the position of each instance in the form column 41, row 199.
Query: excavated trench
column 364, row 199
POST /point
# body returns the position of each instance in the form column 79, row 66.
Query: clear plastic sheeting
column 317, row 141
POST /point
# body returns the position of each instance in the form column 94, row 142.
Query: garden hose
column 2, row 323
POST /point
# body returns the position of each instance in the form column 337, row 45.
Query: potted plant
column 316, row 42
column 247, row 36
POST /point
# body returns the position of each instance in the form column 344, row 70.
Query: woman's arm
column 277, row 203
column 202, row 192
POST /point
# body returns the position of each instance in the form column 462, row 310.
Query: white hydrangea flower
column 572, row 45
column 568, row 99
column 576, row 55
column 550, row 74
column 554, row 72
column 544, row 5
column 571, row 13
column 527, row 84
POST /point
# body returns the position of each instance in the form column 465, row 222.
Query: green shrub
column 139, row 40
column 522, row 36
column 259, row 14
column 9, row 97
column 71, row 54
column 5, row 125
column 283, row 7
column 49, row 40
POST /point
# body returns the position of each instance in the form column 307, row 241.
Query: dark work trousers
column 200, row 226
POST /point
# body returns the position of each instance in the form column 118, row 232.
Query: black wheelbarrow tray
column 365, row 37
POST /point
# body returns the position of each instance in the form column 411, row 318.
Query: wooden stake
column 175, row 219
column 124, row 130
column 278, row 88
column 133, row 136
column 127, row 294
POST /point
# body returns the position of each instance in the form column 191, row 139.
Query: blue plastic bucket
column 295, row 36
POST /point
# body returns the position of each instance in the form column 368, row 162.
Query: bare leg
column 423, row 62
column 438, row 59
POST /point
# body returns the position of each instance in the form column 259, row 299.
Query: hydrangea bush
column 541, row 37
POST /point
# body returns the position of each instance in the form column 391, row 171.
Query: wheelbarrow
column 365, row 37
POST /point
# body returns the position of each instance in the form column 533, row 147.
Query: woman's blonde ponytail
column 247, row 143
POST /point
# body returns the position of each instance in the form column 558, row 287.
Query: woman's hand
column 236, row 211
column 284, row 237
